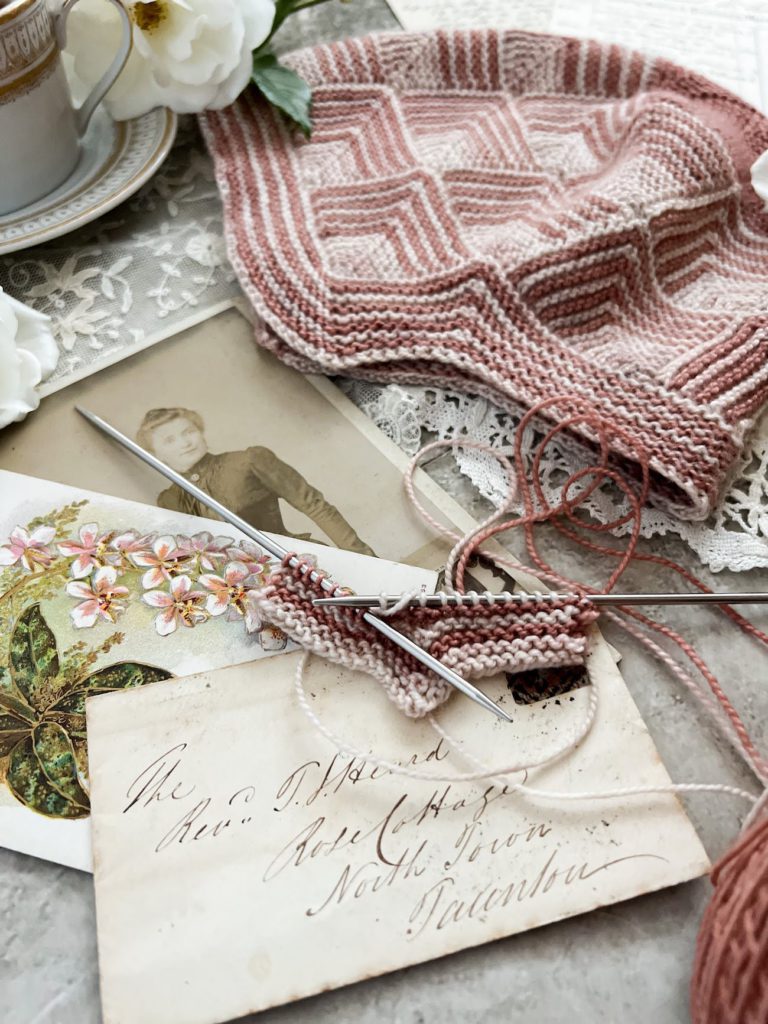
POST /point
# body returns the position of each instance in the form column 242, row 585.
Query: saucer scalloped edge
column 117, row 158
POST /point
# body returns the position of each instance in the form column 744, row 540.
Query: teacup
column 40, row 129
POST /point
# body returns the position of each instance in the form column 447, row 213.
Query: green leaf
column 6, row 683
column 56, row 755
column 72, row 723
column 12, row 705
column 12, row 729
column 81, row 753
column 284, row 89
column 34, row 658
column 122, row 676
column 28, row 783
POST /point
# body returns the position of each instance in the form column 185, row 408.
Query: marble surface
column 629, row 962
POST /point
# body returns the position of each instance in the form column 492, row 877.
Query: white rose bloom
column 28, row 353
column 760, row 177
column 189, row 55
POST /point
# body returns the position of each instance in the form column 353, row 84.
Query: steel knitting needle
column 440, row 601
column 279, row 552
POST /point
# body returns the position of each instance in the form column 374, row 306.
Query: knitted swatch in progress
column 471, row 640
column 524, row 217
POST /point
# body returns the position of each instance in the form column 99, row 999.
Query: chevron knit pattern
column 522, row 217
column 474, row 642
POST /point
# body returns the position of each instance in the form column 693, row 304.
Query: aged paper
column 246, row 400
column 728, row 42
column 55, row 648
column 241, row 862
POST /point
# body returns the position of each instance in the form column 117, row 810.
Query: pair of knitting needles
column 280, row 552
column 429, row 601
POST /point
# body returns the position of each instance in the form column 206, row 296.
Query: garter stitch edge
column 522, row 217
column 471, row 640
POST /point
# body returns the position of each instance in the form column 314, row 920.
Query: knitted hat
column 522, row 217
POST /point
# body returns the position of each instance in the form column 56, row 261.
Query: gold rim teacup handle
column 84, row 113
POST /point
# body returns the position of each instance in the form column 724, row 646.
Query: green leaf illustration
column 122, row 676
column 29, row 784
column 56, row 755
column 284, row 89
column 14, row 706
column 73, row 723
column 12, row 729
column 34, row 658
column 80, row 746
column 42, row 736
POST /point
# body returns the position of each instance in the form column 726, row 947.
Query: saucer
column 117, row 158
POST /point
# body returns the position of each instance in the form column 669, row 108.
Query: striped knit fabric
column 474, row 641
column 522, row 217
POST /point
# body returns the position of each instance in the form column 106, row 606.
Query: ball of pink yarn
column 730, row 975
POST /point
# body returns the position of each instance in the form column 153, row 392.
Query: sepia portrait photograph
column 289, row 454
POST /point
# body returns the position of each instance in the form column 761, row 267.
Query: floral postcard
column 98, row 595
column 311, row 869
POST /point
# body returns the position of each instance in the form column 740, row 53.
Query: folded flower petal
column 165, row 622
column 153, row 578
column 217, row 603
column 84, row 615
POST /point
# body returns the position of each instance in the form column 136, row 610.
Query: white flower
column 189, row 55
column 28, row 353
column 207, row 249
column 760, row 177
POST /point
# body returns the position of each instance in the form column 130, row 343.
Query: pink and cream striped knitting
column 523, row 217
column 471, row 640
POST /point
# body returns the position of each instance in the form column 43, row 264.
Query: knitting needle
column 280, row 552
column 443, row 600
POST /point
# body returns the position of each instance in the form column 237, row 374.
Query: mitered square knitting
column 519, row 216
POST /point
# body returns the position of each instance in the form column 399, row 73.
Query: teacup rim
column 10, row 10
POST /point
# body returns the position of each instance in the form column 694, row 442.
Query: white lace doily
column 735, row 537
column 143, row 272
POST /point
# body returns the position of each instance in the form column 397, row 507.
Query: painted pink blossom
column 255, row 559
column 91, row 553
column 206, row 549
column 163, row 562
column 30, row 549
column 182, row 605
column 100, row 599
column 129, row 542
column 232, row 594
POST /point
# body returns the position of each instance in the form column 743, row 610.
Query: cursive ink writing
column 314, row 841
column 469, row 847
column 439, row 907
column 154, row 783
column 338, row 774
column 191, row 828
column 371, row 878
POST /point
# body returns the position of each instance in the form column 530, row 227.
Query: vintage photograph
column 288, row 453
column 251, row 482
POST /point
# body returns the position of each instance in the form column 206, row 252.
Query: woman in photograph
column 250, row 482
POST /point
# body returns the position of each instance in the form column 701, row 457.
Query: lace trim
column 735, row 537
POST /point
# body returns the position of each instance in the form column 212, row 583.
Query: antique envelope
column 99, row 593
column 241, row 862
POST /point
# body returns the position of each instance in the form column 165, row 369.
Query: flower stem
column 19, row 584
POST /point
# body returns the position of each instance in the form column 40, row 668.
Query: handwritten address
column 485, row 858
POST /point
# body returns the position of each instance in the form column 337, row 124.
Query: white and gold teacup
column 40, row 129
